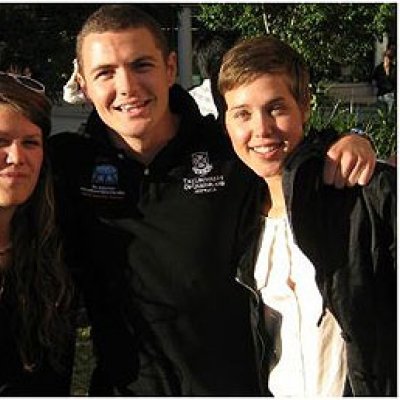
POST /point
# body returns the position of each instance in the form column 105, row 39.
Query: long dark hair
column 37, row 277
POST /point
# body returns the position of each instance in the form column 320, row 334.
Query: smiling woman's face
column 264, row 122
column 21, row 157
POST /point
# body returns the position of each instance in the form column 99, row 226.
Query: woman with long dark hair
column 35, row 290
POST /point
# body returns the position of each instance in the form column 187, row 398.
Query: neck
column 276, row 206
column 144, row 149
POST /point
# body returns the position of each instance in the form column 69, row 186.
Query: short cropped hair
column 254, row 57
column 120, row 17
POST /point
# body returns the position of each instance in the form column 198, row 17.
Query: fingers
column 348, row 171
column 363, row 169
column 354, row 173
column 350, row 161
column 330, row 167
column 341, row 169
column 339, row 181
column 366, row 172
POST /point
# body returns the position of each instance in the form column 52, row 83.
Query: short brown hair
column 117, row 18
column 253, row 57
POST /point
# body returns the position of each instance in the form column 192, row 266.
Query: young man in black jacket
column 155, row 203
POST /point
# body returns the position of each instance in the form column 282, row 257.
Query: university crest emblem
column 201, row 164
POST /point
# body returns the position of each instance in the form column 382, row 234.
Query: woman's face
column 264, row 122
column 21, row 157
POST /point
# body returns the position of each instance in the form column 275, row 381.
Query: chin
column 11, row 203
column 134, row 131
column 270, row 173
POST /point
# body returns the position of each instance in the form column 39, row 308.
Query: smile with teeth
column 133, row 106
column 266, row 149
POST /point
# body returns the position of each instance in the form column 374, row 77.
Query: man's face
column 127, row 79
column 264, row 122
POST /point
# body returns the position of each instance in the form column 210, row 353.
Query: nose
column 15, row 154
column 262, row 125
column 127, row 82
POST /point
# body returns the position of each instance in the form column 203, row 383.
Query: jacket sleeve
column 321, row 141
column 381, row 196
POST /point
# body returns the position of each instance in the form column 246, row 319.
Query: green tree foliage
column 328, row 35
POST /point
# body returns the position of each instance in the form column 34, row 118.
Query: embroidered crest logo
column 203, row 183
column 201, row 164
column 105, row 175
column 104, row 184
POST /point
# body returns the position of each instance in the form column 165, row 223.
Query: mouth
column 13, row 175
column 13, row 179
column 135, row 107
column 267, row 150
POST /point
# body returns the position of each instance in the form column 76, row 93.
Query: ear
column 82, row 84
column 306, row 109
column 171, row 65
column 306, row 113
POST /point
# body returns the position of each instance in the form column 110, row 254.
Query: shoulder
column 61, row 143
column 383, row 182
column 198, row 130
column 211, row 133
column 68, row 149
column 380, row 197
column 64, row 138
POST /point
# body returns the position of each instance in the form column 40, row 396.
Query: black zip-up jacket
column 154, row 250
column 350, row 237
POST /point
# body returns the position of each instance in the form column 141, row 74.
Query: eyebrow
column 273, row 101
column 237, row 107
column 23, row 136
column 100, row 67
column 143, row 59
column 132, row 62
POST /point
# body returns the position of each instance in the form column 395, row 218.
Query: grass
column 83, row 363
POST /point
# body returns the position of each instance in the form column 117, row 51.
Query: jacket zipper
column 259, row 336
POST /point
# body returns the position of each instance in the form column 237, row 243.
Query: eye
column 103, row 74
column 4, row 141
column 277, row 108
column 276, row 111
column 32, row 143
column 143, row 65
column 242, row 114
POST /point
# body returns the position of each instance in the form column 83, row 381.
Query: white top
column 313, row 359
column 204, row 98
